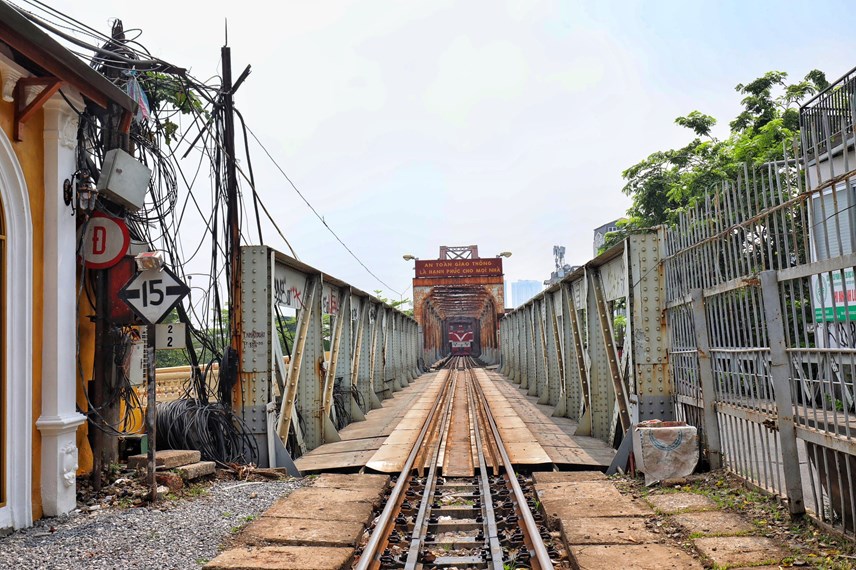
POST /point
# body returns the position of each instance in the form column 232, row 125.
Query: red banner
column 490, row 267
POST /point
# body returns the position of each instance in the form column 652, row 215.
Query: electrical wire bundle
column 206, row 427
column 341, row 404
column 203, row 419
column 118, row 390
column 186, row 116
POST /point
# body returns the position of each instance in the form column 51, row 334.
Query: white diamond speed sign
column 152, row 294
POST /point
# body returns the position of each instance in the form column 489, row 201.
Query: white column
column 59, row 419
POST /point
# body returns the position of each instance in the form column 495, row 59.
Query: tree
column 668, row 181
column 394, row 304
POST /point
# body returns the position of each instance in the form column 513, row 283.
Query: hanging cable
column 317, row 215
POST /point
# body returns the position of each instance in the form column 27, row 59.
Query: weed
column 196, row 490
column 125, row 503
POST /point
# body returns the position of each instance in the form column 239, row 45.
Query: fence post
column 712, row 438
column 780, row 372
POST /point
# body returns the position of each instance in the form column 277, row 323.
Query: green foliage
column 170, row 92
column 667, row 181
column 394, row 304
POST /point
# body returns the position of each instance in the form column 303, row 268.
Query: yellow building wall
column 30, row 153
column 86, row 354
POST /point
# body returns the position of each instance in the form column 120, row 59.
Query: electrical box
column 124, row 179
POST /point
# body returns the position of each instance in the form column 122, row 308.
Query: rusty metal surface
column 458, row 287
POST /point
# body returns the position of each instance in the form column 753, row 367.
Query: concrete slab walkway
column 315, row 527
column 603, row 528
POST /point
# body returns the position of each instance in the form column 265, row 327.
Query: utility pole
column 105, row 446
column 233, row 217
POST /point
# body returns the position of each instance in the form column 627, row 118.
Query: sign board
column 489, row 267
column 105, row 241
column 834, row 296
column 170, row 336
column 152, row 294
column 831, row 235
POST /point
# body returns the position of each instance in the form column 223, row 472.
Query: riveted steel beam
column 605, row 318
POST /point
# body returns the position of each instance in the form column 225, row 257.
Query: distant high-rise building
column 523, row 290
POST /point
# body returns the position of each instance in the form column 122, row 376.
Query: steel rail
column 492, row 533
column 419, row 527
column 367, row 558
column 531, row 527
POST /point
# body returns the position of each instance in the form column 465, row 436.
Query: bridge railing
column 594, row 345
column 740, row 319
column 761, row 309
column 347, row 352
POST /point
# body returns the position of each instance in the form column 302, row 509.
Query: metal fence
column 827, row 118
column 759, row 290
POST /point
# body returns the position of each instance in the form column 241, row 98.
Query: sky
column 504, row 124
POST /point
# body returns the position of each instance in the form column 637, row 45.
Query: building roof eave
column 35, row 44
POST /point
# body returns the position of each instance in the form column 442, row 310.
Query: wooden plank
column 385, row 431
column 552, row 433
column 390, row 457
column 347, row 445
column 458, row 458
column 527, row 454
column 316, row 463
column 519, row 441
column 572, row 456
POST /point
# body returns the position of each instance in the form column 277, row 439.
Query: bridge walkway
column 534, row 436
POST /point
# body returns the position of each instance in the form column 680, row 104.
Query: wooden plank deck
column 555, row 435
column 391, row 455
column 383, row 441
column 362, row 440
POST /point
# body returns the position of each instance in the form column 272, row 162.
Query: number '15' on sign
column 153, row 293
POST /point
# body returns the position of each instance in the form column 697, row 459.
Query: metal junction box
column 124, row 179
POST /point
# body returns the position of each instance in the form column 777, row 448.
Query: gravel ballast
column 176, row 534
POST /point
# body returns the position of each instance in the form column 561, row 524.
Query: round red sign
column 105, row 242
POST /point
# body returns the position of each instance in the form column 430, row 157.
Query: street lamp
column 408, row 257
column 504, row 254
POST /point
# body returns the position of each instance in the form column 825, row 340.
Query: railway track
column 458, row 502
